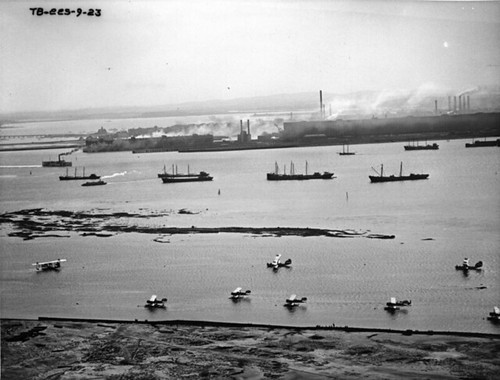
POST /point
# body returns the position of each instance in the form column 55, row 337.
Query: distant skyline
column 148, row 53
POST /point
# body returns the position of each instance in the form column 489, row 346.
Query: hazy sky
column 140, row 53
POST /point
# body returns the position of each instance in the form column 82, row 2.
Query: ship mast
column 401, row 169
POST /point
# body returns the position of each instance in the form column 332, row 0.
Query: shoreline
column 60, row 348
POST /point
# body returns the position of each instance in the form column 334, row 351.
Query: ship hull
column 167, row 179
column 298, row 177
column 411, row 177
column 56, row 164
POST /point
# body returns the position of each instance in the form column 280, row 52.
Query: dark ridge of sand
column 65, row 349
column 37, row 223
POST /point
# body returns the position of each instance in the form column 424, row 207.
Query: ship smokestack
column 321, row 104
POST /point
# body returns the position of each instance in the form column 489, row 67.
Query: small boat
column 155, row 303
column 237, row 294
column 48, row 265
column 293, row 301
column 94, row 183
column 276, row 176
column 410, row 146
column 393, row 178
column 59, row 163
column 394, row 305
column 466, row 267
column 346, row 152
column 276, row 263
column 78, row 177
column 495, row 314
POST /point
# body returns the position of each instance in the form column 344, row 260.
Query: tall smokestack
column 465, row 104
column 248, row 127
column 468, row 103
column 241, row 126
column 449, row 103
column 454, row 103
column 460, row 103
column 321, row 104
column 436, row 106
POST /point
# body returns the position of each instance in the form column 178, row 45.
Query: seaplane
column 48, row 265
column 495, row 314
column 394, row 305
column 238, row 294
column 277, row 263
column 466, row 267
column 155, row 303
column 293, row 301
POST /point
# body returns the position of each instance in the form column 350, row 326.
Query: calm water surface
column 437, row 222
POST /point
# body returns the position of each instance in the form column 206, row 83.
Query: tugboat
column 94, row 183
column 393, row 178
column 297, row 177
column 79, row 177
column 59, row 163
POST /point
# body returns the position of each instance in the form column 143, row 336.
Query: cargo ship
column 175, row 176
column 78, row 177
column 276, row 176
column 478, row 144
column 422, row 147
column 59, row 163
column 392, row 178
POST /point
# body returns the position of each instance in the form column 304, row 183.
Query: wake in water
column 35, row 223
column 114, row 175
column 19, row 166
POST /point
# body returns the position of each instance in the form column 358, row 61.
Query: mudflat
column 54, row 349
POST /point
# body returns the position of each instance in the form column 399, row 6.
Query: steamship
column 59, row 163
column 78, row 177
column 180, row 177
column 276, row 176
column 393, row 178
column 422, row 147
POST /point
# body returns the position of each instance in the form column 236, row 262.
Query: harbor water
column 436, row 222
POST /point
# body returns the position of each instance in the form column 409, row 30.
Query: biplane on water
column 48, row 265
column 466, row 267
column 394, row 305
column 155, row 303
column 276, row 263
column 238, row 294
column 495, row 314
column 293, row 301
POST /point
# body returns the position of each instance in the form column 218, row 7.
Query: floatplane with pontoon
column 276, row 263
column 155, row 303
column 293, row 301
column 238, row 293
column 48, row 265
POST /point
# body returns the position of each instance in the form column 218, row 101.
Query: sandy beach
column 60, row 349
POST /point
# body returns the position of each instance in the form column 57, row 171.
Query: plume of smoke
column 114, row 175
